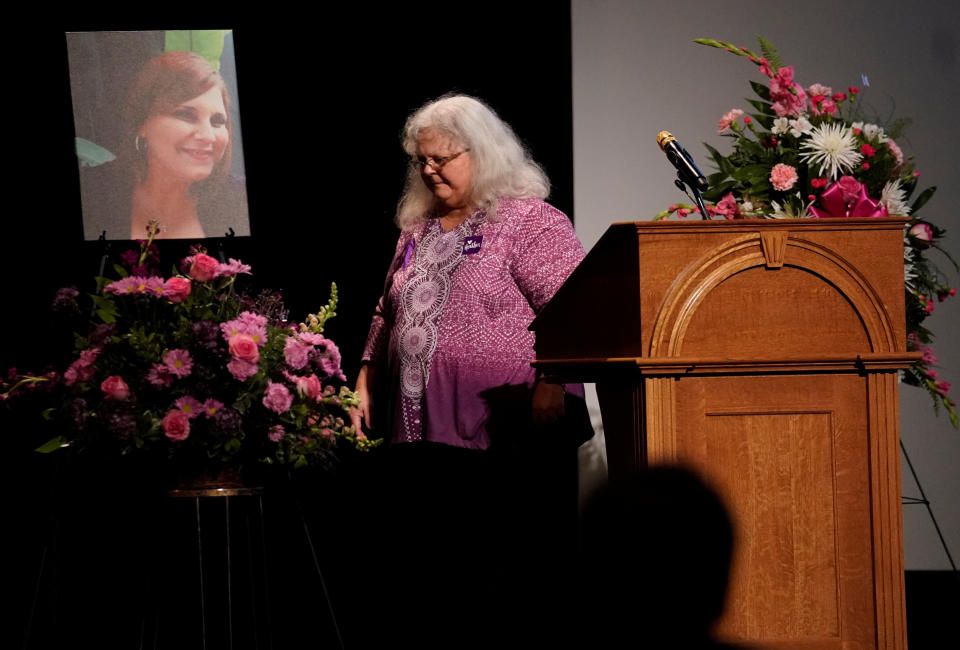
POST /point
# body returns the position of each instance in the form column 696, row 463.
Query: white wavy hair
column 502, row 167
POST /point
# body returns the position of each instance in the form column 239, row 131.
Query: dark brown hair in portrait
column 165, row 82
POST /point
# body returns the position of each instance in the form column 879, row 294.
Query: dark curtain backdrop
column 323, row 97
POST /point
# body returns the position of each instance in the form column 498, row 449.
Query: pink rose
column 850, row 188
column 114, row 387
column 176, row 425
column 921, row 231
column 783, row 177
column 243, row 347
column 204, row 268
column 177, row 289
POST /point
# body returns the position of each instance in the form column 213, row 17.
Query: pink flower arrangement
column 783, row 177
column 188, row 357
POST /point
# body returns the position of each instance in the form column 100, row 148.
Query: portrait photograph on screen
column 157, row 125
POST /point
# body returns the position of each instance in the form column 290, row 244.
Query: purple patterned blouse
column 451, row 326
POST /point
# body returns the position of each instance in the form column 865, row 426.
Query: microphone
column 680, row 159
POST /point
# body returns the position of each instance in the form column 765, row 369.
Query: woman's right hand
column 362, row 414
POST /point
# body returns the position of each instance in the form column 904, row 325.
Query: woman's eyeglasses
column 420, row 162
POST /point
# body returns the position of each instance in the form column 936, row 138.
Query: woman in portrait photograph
column 174, row 167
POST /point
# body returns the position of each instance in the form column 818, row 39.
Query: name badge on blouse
column 471, row 244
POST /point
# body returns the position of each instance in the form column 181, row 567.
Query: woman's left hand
column 547, row 404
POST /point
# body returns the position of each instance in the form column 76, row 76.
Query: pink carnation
column 296, row 353
column 277, row 398
column 728, row 119
column 276, row 433
column 783, row 177
column 115, row 388
column 241, row 369
column 176, row 289
column 178, row 362
column 159, row 376
column 82, row 369
column 176, row 425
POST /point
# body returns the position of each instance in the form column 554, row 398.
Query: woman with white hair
column 447, row 375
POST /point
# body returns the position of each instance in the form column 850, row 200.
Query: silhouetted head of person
column 657, row 549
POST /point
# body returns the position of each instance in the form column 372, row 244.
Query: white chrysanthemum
column 894, row 199
column 780, row 125
column 800, row 126
column 909, row 271
column 833, row 147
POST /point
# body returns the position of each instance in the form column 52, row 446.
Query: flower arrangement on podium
column 200, row 375
column 810, row 152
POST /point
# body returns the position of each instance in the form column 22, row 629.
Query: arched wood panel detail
column 701, row 277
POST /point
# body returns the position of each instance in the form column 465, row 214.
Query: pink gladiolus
column 943, row 387
column 115, row 388
column 682, row 212
column 176, row 289
column 783, row 177
column 728, row 118
column 176, row 425
column 203, row 268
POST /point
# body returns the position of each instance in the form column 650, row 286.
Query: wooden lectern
column 764, row 354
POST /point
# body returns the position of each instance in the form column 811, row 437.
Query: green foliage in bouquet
column 809, row 152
